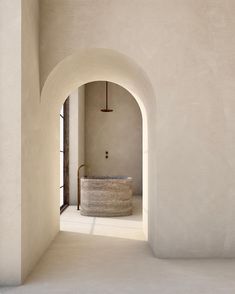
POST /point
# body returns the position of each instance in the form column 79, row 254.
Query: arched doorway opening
column 102, row 65
column 104, row 128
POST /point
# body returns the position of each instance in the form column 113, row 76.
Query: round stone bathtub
column 106, row 196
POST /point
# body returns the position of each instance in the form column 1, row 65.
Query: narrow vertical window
column 64, row 155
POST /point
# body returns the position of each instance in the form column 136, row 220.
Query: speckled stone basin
column 106, row 196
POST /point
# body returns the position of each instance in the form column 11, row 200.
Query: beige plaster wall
column 81, row 131
column 76, row 139
column 186, row 48
column 118, row 132
column 10, row 142
column 40, row 190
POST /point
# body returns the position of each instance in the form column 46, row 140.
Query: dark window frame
column 65, row 150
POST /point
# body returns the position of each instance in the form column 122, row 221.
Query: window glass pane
column 61, row 133
column 61, row 196
column 62, row 156
column 61, row 169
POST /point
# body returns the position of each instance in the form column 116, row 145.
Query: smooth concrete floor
column 130, row 227
column 87, row 263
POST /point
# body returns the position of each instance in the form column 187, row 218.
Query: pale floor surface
column 87, row 264
column 80, row 262
column 130, row 227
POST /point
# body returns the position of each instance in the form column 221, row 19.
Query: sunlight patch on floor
column 129, row 227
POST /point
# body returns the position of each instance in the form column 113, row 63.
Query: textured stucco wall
column 186, row 48
column 40, row 202
column 76, row 139
column 118, row 132
column 10, row 142
column 81, row 130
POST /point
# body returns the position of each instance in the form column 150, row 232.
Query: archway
column 101, row 65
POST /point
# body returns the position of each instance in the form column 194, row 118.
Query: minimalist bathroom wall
column 81, row 130
column 39, row 187
column 73, row 144
column 119, row 133
column 76, row 140
column 10, row 146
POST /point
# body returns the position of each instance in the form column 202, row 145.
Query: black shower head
column 106, row 110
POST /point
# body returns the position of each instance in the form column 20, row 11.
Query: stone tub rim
column 106, row 178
